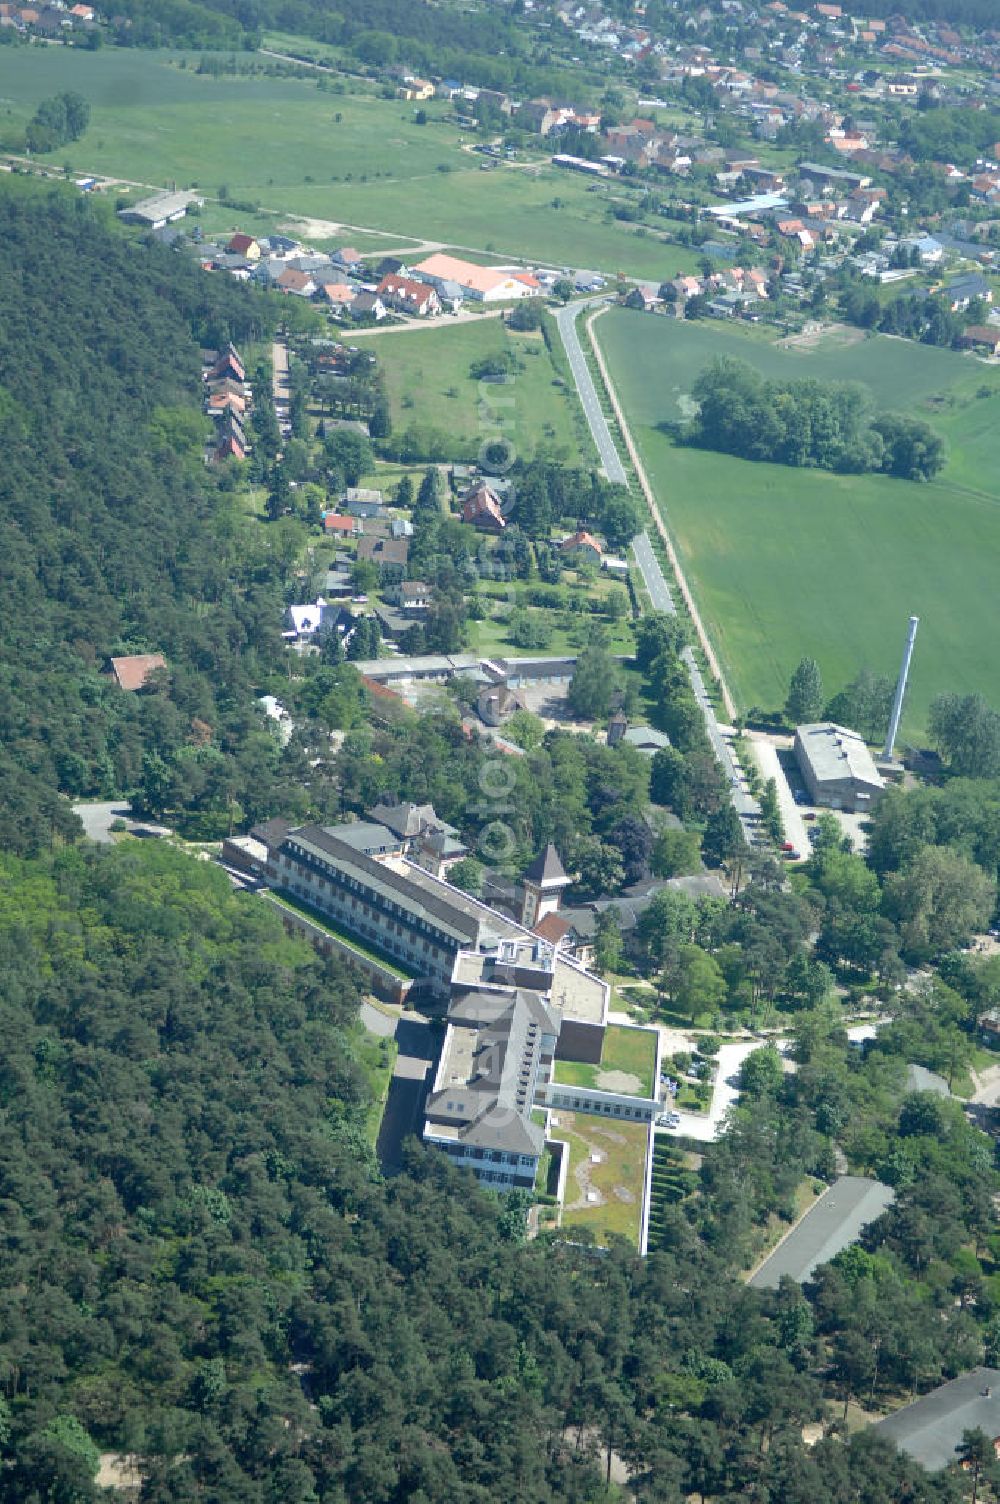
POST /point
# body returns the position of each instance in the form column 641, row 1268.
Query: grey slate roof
column 833, row 1223
column 931, row 1428
column 546, row 868
column 490, row 1059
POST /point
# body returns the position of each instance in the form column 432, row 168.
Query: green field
column 629, row 1050
column 787, row 562
column 430, row 385
column 278, row 143
column 618, row 1179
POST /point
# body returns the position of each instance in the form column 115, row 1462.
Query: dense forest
column 113, row 536
column 203, row 1267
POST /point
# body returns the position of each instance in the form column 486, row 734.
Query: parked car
column 788, row 845
column 791, row 856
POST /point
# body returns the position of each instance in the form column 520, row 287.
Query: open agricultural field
column 430, row 383
column 290, row 145
column 786, row 562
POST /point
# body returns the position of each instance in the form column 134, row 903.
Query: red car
column 788, row 845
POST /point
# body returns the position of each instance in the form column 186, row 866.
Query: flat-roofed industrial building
column 838, row 769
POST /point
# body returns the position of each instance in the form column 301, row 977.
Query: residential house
column 930, row 251
column 368, row 305
column 347, row 258
column 983, row 338
column 482, row 509
column 496, row 703
column 411, row 595
column 318, row 619
column 221, row 402
column 363, row 503
column 133, row 671
column 298, row 284
column 581, row 548
column 645, row 739
column 337, row 525
column 409, row 296
column 390, row 554
column 538, row 115
column 417, row 89
column 227, row 365
column 245, row 246
column 339, row 295
column 965, row 290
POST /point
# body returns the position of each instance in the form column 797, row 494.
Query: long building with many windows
column 381, row 898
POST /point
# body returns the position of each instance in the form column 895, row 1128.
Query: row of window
column 587, row 1104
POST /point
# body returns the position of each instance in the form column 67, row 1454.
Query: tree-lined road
column 653, row 577
column 743, row 802
column 610, row 461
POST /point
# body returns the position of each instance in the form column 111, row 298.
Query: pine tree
column 805, row 693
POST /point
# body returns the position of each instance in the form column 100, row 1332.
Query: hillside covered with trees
column 202, row 1265
column 113, row 536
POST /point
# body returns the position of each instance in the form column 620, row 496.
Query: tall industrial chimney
column 897, row 704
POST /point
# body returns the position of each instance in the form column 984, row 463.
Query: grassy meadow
column 292, row 147
column 429, row 380
column 786, row 562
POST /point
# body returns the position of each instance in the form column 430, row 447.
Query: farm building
column 837, row 767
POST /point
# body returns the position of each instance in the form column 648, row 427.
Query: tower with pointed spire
column 543, row 884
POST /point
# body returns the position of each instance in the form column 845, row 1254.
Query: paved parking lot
column 796, row 828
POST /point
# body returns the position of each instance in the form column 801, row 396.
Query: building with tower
column 544, row 884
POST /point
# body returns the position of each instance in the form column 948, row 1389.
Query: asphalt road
column 610, row 461
column 652, row 575
column 410, row 1079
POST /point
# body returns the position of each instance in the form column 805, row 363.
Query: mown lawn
column 788, row 562
column 291, row 146
column 377, row 1055
column 631, row 1050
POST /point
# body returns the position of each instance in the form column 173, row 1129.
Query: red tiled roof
column 132, row 672
column 552, row 928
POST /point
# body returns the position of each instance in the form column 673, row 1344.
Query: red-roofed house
column 482, row 508
column 245, row 246
column 408, row 296
column 132, row 672
column 334, row 522
column 580, row 548
column 227, row 365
